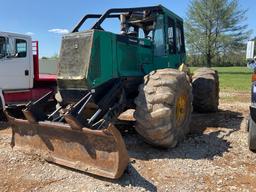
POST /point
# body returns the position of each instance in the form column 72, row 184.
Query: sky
column 47, row 20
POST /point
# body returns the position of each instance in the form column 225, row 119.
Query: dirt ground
column 214, row 157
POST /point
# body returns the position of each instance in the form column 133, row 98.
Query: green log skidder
column 102, row 74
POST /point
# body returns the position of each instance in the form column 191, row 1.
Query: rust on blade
column 99, row 152
column 29, row 116
column 73, row 123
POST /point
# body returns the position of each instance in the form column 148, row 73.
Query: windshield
column 2, row 47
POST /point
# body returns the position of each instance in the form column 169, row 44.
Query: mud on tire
column 205, row 83
column 163, row 107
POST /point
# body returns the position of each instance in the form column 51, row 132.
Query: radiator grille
column 75, row 55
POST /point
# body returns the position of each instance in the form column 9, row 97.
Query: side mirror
column 250, row 50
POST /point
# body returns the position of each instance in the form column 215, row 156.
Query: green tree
column 214, row 28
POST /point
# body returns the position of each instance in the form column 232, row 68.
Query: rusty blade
column 99, row 152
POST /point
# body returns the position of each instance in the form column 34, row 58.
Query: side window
column 2, row 47
column 159, row 37
column 180, row 38
column 171, row 40
column 21, row 48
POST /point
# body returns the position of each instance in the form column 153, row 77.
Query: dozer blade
column 99, row 152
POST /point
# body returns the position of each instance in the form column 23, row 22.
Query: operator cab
column 163, row 28
column 150, row 25
column 146, row 39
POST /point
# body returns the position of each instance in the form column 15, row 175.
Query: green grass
column 233, row 78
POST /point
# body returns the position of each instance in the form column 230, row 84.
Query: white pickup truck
column 251, row 59
column 20, row 80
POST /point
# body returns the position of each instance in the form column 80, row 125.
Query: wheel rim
column 181, row 110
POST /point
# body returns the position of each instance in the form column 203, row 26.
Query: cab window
column 180, row 38
column 171, row 40
column 2, row 47
column 159, row 37
column 21, row 48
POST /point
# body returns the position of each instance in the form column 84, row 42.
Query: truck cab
column 16, row 61
column 20, row 80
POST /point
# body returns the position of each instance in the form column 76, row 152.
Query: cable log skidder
column 102, row 74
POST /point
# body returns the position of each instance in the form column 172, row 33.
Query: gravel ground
column 214, row 157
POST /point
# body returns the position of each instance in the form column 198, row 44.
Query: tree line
column 216, row 33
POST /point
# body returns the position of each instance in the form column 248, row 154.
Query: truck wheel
column 163, row 107
column 205, row 88
column 252, row 135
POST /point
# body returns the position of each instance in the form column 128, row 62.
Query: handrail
column 89, row 16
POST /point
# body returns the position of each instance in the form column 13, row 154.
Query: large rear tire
column 163, row 107
column 252, row 135
column 205, row 83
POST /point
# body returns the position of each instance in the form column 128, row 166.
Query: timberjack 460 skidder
column 101, row 74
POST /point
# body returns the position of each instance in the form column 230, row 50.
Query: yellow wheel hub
column 181, row 110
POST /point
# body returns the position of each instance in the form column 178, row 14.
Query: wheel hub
column 181, row 110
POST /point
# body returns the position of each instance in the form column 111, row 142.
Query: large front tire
column 163, row 107
column 205, row 83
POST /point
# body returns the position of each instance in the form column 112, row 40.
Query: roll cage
column 133, row 20
column 136, row 17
